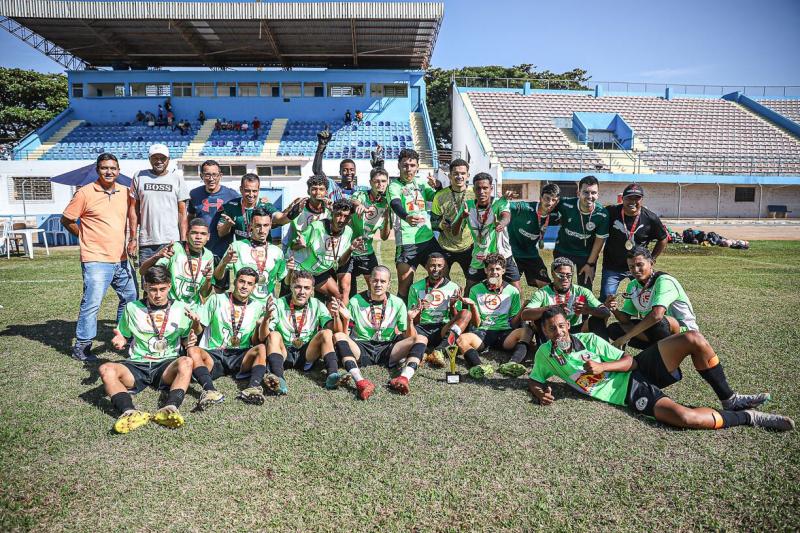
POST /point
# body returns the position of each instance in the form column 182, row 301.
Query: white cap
column 159, row 149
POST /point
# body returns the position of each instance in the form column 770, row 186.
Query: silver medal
column 590, row 225
column 629, row 244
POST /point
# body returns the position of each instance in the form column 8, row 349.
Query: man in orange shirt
column 102, row 207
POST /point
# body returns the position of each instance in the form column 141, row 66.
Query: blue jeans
column 611, row 281
column 96, row 279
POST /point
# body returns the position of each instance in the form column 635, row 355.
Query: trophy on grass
column 452, row 377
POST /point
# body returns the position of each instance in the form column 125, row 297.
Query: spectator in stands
column 218, row 126
column 245, row 126
column 359, row 116
column 159, row 201
column 102, row 207
column 201, row 117
column 584, row 229
column 237, row 126
column 256, row 125
column 139, row 116
column 170, row 118
column 456, row 243
column 151, row 120
column 334, row 191
column 630, row 225
column 207, row 202
column 348, row 118
column 160, row 112
column 168, row 105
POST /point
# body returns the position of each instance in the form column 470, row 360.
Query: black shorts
column 651, row 365
column 534, row 269
column 463, row 258
column 512, row 272
column 491, row 338
column 375, row 352
column 362, row 265
column 295, row 357
column 227, row 361
column 324, row 276
column 432, row 332
column 224, row 283
column 145, row 374
column 642, row 395
column 416, row 254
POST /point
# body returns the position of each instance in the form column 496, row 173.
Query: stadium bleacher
column 223, row 143
column 354, row 141
column 788, row 108
column 695, row 135
column 128, row 141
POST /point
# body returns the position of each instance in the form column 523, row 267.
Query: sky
column 732, row 42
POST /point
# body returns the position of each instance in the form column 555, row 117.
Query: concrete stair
column 43, row 148
column 199, row 140
column 273, row 139
column 421, row 144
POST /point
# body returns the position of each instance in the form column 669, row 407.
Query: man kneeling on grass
column 378, row 320
column 594, row 367
column 236, row 325
column 157, row 325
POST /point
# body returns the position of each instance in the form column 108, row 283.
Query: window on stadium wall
column 517, row 188
column 151, row 89
column 182, row 89
column 248, row 89
column 339, row 90
column 204, row 89
column 291, row 90
column 226, row 90
column 77, row 90
column 191, row 171
column 233, row 170
column 313, row 90
column 278, row 171
column 744, row 194
column 388, row 90
column 35, row 189
column 270, row 90
column 568, row 188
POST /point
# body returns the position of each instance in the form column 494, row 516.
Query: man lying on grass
column 236, row 325
column 157, row 325
column 594, row 367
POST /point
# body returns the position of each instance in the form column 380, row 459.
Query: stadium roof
column 235, row 34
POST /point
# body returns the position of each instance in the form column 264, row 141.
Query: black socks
column 257, row 375
column 275, row 361
column 715, row 377
column 123, row 401
column 203, row 377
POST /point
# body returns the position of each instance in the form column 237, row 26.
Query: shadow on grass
column 56, row 334
column 96, row 397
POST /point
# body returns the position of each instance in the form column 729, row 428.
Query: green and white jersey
column 377, row 321
column 413, row 195
column 298, row 224
column 217, row 316
column 323, row 249
column 241, row 216
column 578, row 230
column 135, row 322
column 496, row 309
column 370, row 222
column 272, row 270
column 439, row 296
column 482, row 223
column 187, row 274
column 664, row 291
column 546, row 296
column 309, row 320
column 448, row 204
column 611, row 387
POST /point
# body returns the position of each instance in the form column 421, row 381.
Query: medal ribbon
column 565, row 299
column 298, row 324
column 159, row 333
column 236, row 327
column 193, row 276
column 244, row 215
column 334, row 243
column 580, row 214
column 482, row 218
column 542, row 226
column 630, row 233
column 261, row 265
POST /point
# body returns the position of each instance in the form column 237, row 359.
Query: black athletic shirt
column 649, row 228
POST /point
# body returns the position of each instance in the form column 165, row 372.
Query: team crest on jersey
column 371, row 213
column 435, row 297
column 644, row 298
column 492, row 301
column 258, row 253
column 192, row 265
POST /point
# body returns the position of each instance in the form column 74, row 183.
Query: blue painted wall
column 583, row 121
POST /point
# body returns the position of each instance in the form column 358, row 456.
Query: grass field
column 476, row 456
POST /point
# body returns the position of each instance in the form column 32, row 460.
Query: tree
column 28, row 100
column 438, row 88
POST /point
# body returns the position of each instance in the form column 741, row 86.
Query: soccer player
column 237, row 213
column 157, row 325
column 378, row 317
column 436, row 304
column 495, row 307
column 372, row 214
column 236, row 326
column 189, row 263
column 327, row 245
column 311, row 209
column 631, row 225
column 448, row 205
column 576, row 301
column 529, row 222
column 412, row 227
column 656, row 306
column 584, row 229
column 257, row 253
column 302, row 333
column 488, row 220
column 597, row 369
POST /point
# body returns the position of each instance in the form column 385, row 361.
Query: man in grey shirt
column 158, row 209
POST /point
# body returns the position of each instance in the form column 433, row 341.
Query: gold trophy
column 452, row 377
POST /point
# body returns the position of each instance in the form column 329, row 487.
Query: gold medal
column 262, row 279
column 297, row 342
column 235, row 341
column 160, row 345
column 629, row 244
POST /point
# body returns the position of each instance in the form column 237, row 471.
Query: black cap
column 634, row 189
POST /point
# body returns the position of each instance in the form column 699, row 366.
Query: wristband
column 593, row 265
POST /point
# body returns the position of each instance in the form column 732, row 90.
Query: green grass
column 475, row 456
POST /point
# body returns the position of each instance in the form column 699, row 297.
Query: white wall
column 465, row 139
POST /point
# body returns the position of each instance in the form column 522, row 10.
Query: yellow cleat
column 169, row 417
column 130, row 420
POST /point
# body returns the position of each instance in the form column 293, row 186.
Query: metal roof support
column 189, row 37
column 48, row 48
column 115, row 43
column 273, row 42
column 355, row 42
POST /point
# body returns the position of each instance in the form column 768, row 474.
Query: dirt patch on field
column 773, row 230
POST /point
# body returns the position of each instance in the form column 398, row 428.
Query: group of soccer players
column 262, row 308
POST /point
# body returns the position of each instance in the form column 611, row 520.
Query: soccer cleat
column 83, row 352
column 169, row 417
column 276, row 385
column 365, row 389
column 252, row 395
column 481, row 371
column 400, row 384
column 209, row 398
column 130, row 420
column 512, row 370
column 337, row 379
column 435, row 359
column 770, row 421
column 738, row 402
